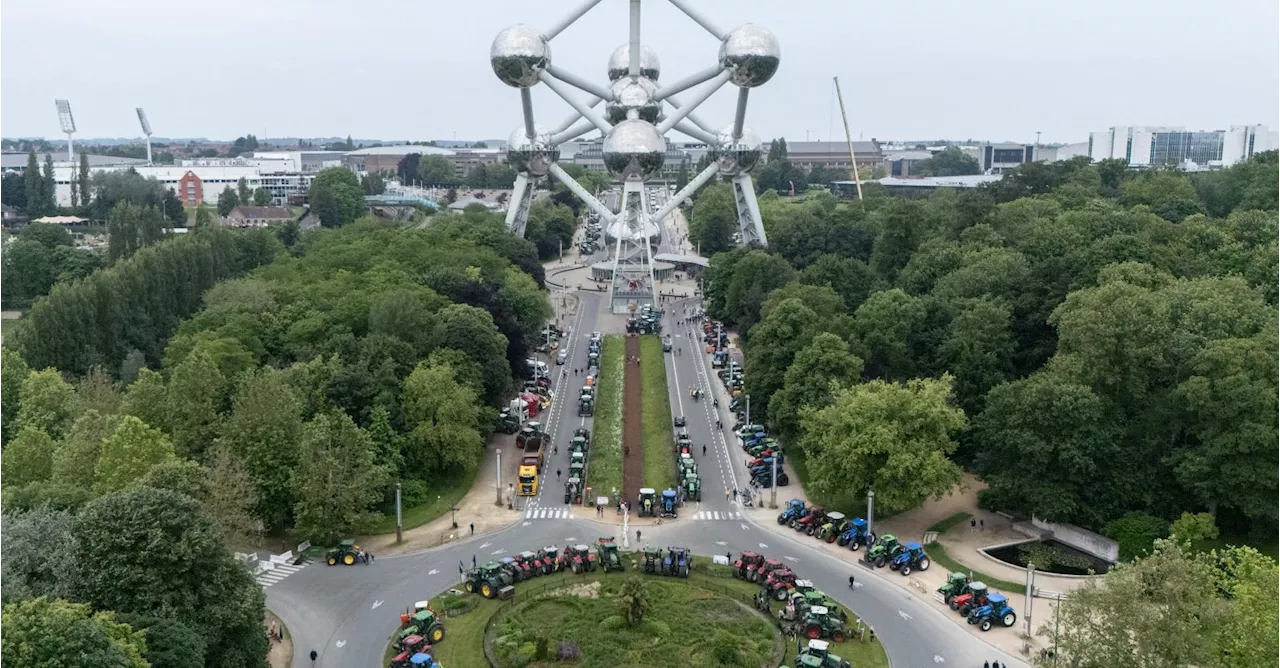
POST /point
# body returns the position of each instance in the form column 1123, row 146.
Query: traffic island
column 708, row 618
column 632, row 423
column 659, row 458
column 604, row 462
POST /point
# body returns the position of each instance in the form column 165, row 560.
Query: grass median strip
column 604, row 469
column 659, row 450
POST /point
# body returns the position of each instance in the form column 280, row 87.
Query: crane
column 857, row 180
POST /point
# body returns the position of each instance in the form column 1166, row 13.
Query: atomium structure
column 638, row 113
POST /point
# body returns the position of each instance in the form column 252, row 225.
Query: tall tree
column 263, row 429
column 336, row 480
column 950, row 161
column 261, row 197
column 28, row 458
column 147, row 399
column 407, row 169
column 83, row 175
column 128, row 453
column 203, row 217
column 443, row 417
column 48, row 187
column 13, row 191
column 227, row 200
column 194, row 395
column 343, row 185
column 714, row 220
column 175, row 215
column 373, row 184
column 76, row 457
column 39, row 555
column 232, row 498
column 35, row 187
column 48, row 402
column 243, row 193
column 159, row 553
column 890, row 438
column 325, row 207
column 436, row 170
column 13, row 372
column 820, row 370
column 477, row 176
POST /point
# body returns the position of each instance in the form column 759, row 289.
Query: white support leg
column 749, row 222
column 518, row 209
column 633, row 281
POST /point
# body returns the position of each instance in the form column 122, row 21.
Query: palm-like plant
column 633, row 600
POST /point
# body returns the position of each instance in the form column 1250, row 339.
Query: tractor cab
column 512, row 569
column 766, row 567
column 648, row 502
column 812, row 522
column 794, row 510
column 578, row 444
column 747, row 564
column 912, row 557
column 576, row 470
column 486, row 579
column 692, row 487
column 583, row 433
column 818, row 655
column 819, row 623
column 347, row 552
column 581, row 559
column 973, row 597
column 577, row 458
column 855, row 535
column 652, row 560
column 551, row 561
column 530, row 562
column 506, row 422
column 607, row 551
column 423, row 627
column 682, row 434
column 677, row 562
column 831, row 529
column 957, row 582
column 884, row 550
column 423, row 660
column 573, row 490
column 669, row 503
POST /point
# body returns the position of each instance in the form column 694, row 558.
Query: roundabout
column 644, row 616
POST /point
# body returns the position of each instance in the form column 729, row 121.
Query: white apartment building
column 1155, row 146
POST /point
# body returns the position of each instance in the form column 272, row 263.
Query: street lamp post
column 453, row 515
column 871, row 507
column 1031, row 582
column 399, row 517
column 499, row 481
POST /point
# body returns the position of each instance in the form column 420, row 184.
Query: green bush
column 1136, row 532
column 613, row 623
column 725, row 649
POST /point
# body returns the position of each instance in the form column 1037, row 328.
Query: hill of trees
column 1098, row 345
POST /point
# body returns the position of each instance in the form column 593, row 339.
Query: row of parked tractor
column 763, row 455
column 806, row 611
column 580, row 444
column 970, row 598
column 490, row 578
column 420, row 629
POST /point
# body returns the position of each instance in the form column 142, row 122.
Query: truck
column 528, row 478
column 532, row 441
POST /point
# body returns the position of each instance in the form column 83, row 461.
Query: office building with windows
column 1160, row 146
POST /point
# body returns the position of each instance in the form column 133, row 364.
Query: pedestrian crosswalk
column 536, row 513
column 717, row 515
column 280, row 572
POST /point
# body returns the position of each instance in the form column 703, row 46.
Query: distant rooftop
column 18, row 160
column 970, row 181
column 820, row 147
column 402, row 149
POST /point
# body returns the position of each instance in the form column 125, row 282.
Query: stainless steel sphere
column 633, row 94
column 531, row 155
column 620, row 63
column 518, row 55
column 634, row 149
column 751, row 54
column 734, row 157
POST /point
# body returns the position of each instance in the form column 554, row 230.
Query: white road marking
column 763, row 546
column 938, row 659
column 499, row 551
column 432, row 572
column 340, row 644
column 525, row 524
column 375, row 605
column 903, row 615
column 789, row 558
column 744, row 527
column 484, row 545
column 721, row 543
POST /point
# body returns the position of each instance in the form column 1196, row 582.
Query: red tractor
column 552, row 562
column 747, row 564
column 779, row 583
column 810, row 523
column 581, row 559
column 529, row 564
column 973, row 597
column 762, row 573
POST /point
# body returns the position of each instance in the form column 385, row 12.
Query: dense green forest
column 225, row 386
column 1098, row 345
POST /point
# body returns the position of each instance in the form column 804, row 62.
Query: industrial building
column 834, row 155
column 1160, row 146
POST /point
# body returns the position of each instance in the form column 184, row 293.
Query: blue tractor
column 794, row 511
column 912, row 557
column 857, row 535
column 752, row 439
column 668, row 503
column 997, row 609
column 677, row 562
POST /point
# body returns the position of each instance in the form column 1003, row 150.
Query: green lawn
column 659, row 451
column 945, row 525
column 939, row 554
column 445, row 493
column 604, row 463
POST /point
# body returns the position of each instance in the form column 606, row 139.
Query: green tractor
column 957, row 583
column 576, row 470
column 884, row 550
column 835, row 525
column 610, row 559
column 692, row 487
column 647, row 504
column 506, row 422
column 818, row 655
column 573, row 490
column 586, row 406
column 578, row 444
column 487, row 578
column 584, row 434
column 652, row 560
column 424, row 623
column 347, row 552
column 820, row 623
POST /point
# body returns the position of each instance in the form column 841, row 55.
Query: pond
column 1050, row 556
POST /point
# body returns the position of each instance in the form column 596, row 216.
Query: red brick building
column 190, row 189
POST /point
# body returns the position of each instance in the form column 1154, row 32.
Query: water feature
column 1049, row 556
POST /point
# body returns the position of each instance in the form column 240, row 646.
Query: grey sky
column 418, row 69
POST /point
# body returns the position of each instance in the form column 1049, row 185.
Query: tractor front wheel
column 855, row 545
column 436, row 634
column 906, row 570
column 881, row 561
column 985, row 625
column 923, row 564
column 780, row 593
column 948, row 599
column 838, row 636
column 470, row 587
column 333, row 561
column 810, row 531
column 831, row 538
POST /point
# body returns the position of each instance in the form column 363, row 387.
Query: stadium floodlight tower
column 634, row 128
column 146, row 130
column 68, row 123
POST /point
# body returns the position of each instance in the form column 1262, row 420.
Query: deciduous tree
column 39, row 555
column 46, row 633
column 443, row 417
column 809, row 380
column 13, row 372
column 48, row 402
column 128, row 453
column 227, row 200
column 194, row 395
column 232, row 497
column 28, row 458
column 336, row 481
column 264, row 428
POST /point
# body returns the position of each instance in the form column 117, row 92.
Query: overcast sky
column 418, row 69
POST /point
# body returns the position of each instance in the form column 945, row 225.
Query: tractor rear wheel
column 348, row 559
column 948, row 599
column 831, row 538
column 780, row 593
column 838, row 636
column 813, row 632
column 486, row 590
column 577, row 569
column 1009, row 619
column 880, row 561
column 436, row 634
column 842, row 541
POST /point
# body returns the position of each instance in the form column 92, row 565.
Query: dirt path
column 632, row 424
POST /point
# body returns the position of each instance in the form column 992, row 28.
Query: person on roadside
column 704, row 449
column 637, row 536
column 557, row 474
column 314, row 656
column 851, row 582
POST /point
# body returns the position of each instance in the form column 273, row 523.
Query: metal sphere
column 620, row 63
column 531, row 155
column 734, row 157
column 633, row 95
column 518, row 55
column 634, row 149
column 751, row 54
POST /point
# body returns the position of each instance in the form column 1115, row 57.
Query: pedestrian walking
column 372, row 557
column 473, row 561
column 726, row 493
column 973, row 525
column 637, row 536
column 982, row 525
column 986, row 664
column 313, row 656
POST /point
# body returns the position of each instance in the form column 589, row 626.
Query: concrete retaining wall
column 1086, row 541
